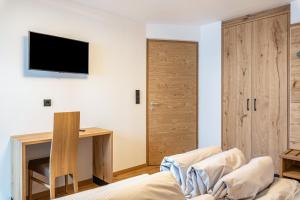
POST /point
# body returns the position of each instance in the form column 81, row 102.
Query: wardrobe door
column 236, row 122
column 269, row 87
column 294, row 137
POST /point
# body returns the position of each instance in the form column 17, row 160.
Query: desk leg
column 18, row 169
column 103, row 157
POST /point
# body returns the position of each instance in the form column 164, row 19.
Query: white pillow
column 247, row 181
column 202, row 176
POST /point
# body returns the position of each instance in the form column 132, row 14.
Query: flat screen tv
column 51, row 53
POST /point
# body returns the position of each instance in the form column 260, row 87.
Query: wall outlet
column 47, row 103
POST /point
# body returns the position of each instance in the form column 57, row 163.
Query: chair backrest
column 64, row 147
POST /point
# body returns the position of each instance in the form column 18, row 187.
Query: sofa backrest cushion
column 160, row 186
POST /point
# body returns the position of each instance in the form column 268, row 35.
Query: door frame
column 147, row 89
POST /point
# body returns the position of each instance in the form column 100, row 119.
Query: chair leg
column 30, row 174
column 66, row 183
column 52, row 187
column 75, row 182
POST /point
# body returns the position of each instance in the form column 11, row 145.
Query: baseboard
column 123, row 171
column 61, row 190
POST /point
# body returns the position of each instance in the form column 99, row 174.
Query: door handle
column 152, row 104
column 254, row 104
column 248, row 104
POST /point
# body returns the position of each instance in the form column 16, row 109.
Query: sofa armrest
column 99, row 190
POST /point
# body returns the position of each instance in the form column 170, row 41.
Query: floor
column 143, row 170
column 89, row 185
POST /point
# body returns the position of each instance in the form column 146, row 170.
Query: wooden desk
column 102, row 157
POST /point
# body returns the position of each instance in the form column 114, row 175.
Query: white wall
column 173, row 32
column 105, row 97
column 209, row 38
column 295, row 11
column 210, row 85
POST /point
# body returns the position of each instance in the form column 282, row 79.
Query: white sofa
column 163, row 186
column 158, row 186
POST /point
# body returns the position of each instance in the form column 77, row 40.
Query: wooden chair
column 63, row 155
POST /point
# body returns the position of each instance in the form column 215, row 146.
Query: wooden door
column 172, row 80
column 269, row 86
column 236, row 84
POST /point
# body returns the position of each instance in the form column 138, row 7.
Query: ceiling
column 181, row 11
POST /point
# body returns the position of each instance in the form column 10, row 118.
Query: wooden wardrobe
column 255, row 83
column 294, row 136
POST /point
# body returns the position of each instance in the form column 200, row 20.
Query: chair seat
column 40, row 166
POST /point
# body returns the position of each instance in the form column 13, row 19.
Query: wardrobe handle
column 248, row 104
column 254, row 104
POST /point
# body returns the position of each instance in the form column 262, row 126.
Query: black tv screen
column 51, row 53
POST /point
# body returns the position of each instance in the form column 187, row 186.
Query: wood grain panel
column 237, row 88
column 295, row 82
column 269, row 87
column 257, row 16
column 37, row 138
column 172, row 80
column 64, row 146
column 294, row 139
column 103, row 157
column 64, row 149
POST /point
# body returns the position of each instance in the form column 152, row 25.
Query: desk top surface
column 36, row 138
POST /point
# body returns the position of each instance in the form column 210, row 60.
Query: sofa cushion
column 247, row 181
column 202, row 176
column 204, row 197
column 282, row 189
column 100, row 191
column 159, row 186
